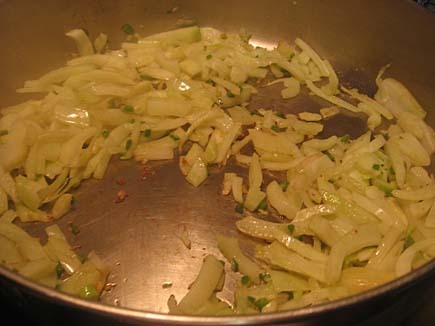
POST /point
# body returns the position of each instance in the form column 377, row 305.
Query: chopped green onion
column 265, row 277
column 261, row 303
column 127, row 29
column 280, row 115
column 284, row 185
column 128, row 144
column 128, row 109
column 246, row 280
column 133, row 120
column 290, row 295
column 409, row 240
column 59, row 270
column 89, row 292
column 209, row 56
column 3, row 132
column 278, row 129
column 234, row 265
column 147, row 133
column 291, row 228
column 146, row 77
column 286, row 73
column 105, row 133
column 251, row 299
column 255, row 112
column 114, row 103
column 229, row 94
column 331, row 181
column 74, row 229
column 82, row 258
column 263, row 205
column 345, row 139
column 174, row 137
column 392, row 171
column 239, row 208
column 211, row 82
column 330, row 156
column 376, row 166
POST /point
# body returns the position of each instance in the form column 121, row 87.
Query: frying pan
column 139, row 237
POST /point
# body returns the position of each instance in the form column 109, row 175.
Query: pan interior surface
column 140, row 237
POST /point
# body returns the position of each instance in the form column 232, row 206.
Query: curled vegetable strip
column 404, row 263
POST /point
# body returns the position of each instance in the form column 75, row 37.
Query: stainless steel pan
column 138, row 237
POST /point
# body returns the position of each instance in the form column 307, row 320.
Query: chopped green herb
column 133, row 120
column 147, row 133
column 114, row 103
column 246, row 280
column 263, row 205
column 174, row 137
column 290, row 295
column 128, row 109
column 211, row 82
column 409, row 240
column 224, row 36
column 376, row 167
column 105, row 133
column 280, row 115
column 255, row 112
column 89, row 292
column 229, row 94
column 331, row 181
column 265, row 277
column 284, row 185
column 345, row 139
column 286, row 73
column 128, row 144
column 261, row 303
column 74, row 229
column 392, row 171
column 251, row 299
column 82, row 257
column 239, row 208
column 127, row 29
column 234, row 265
column 330, row 156
column 59, row 270
column 278, row 129
column 291, row 229
column 3, row 132
column 209, row 56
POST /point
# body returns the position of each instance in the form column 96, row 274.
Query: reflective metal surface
column 139, row 238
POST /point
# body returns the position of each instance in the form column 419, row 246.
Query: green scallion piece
column 261, row 303
column 59, row 270
column 128, row 109
column 229, row 94
column 147, row 133
column 251, row 299
column 127, row 29
column 234, row 265
column 105, row 133
column 174, row 137
column 246, row 280
column 265, row 277
column 239, row 208
column 330, row 156
column 74, row 229
column 345, row 139
column 209, row 56
column 263, row 205
column 278, row 129
column 376, row 167
column 280, row 115
column 284, row 185
column 3, row 132
column 291, row 229
column 128, row 144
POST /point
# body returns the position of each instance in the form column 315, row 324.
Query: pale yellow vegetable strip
column 387, row 243
column 324, row 231
column 404, row 263
column 330, row 98
column 423, row 193
column 313, row 56
column 259, row 228
column 203, row 286
column 84, row 45
column 231, row 250
column 364, row 236
column 299, row 247
column 278, row 255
